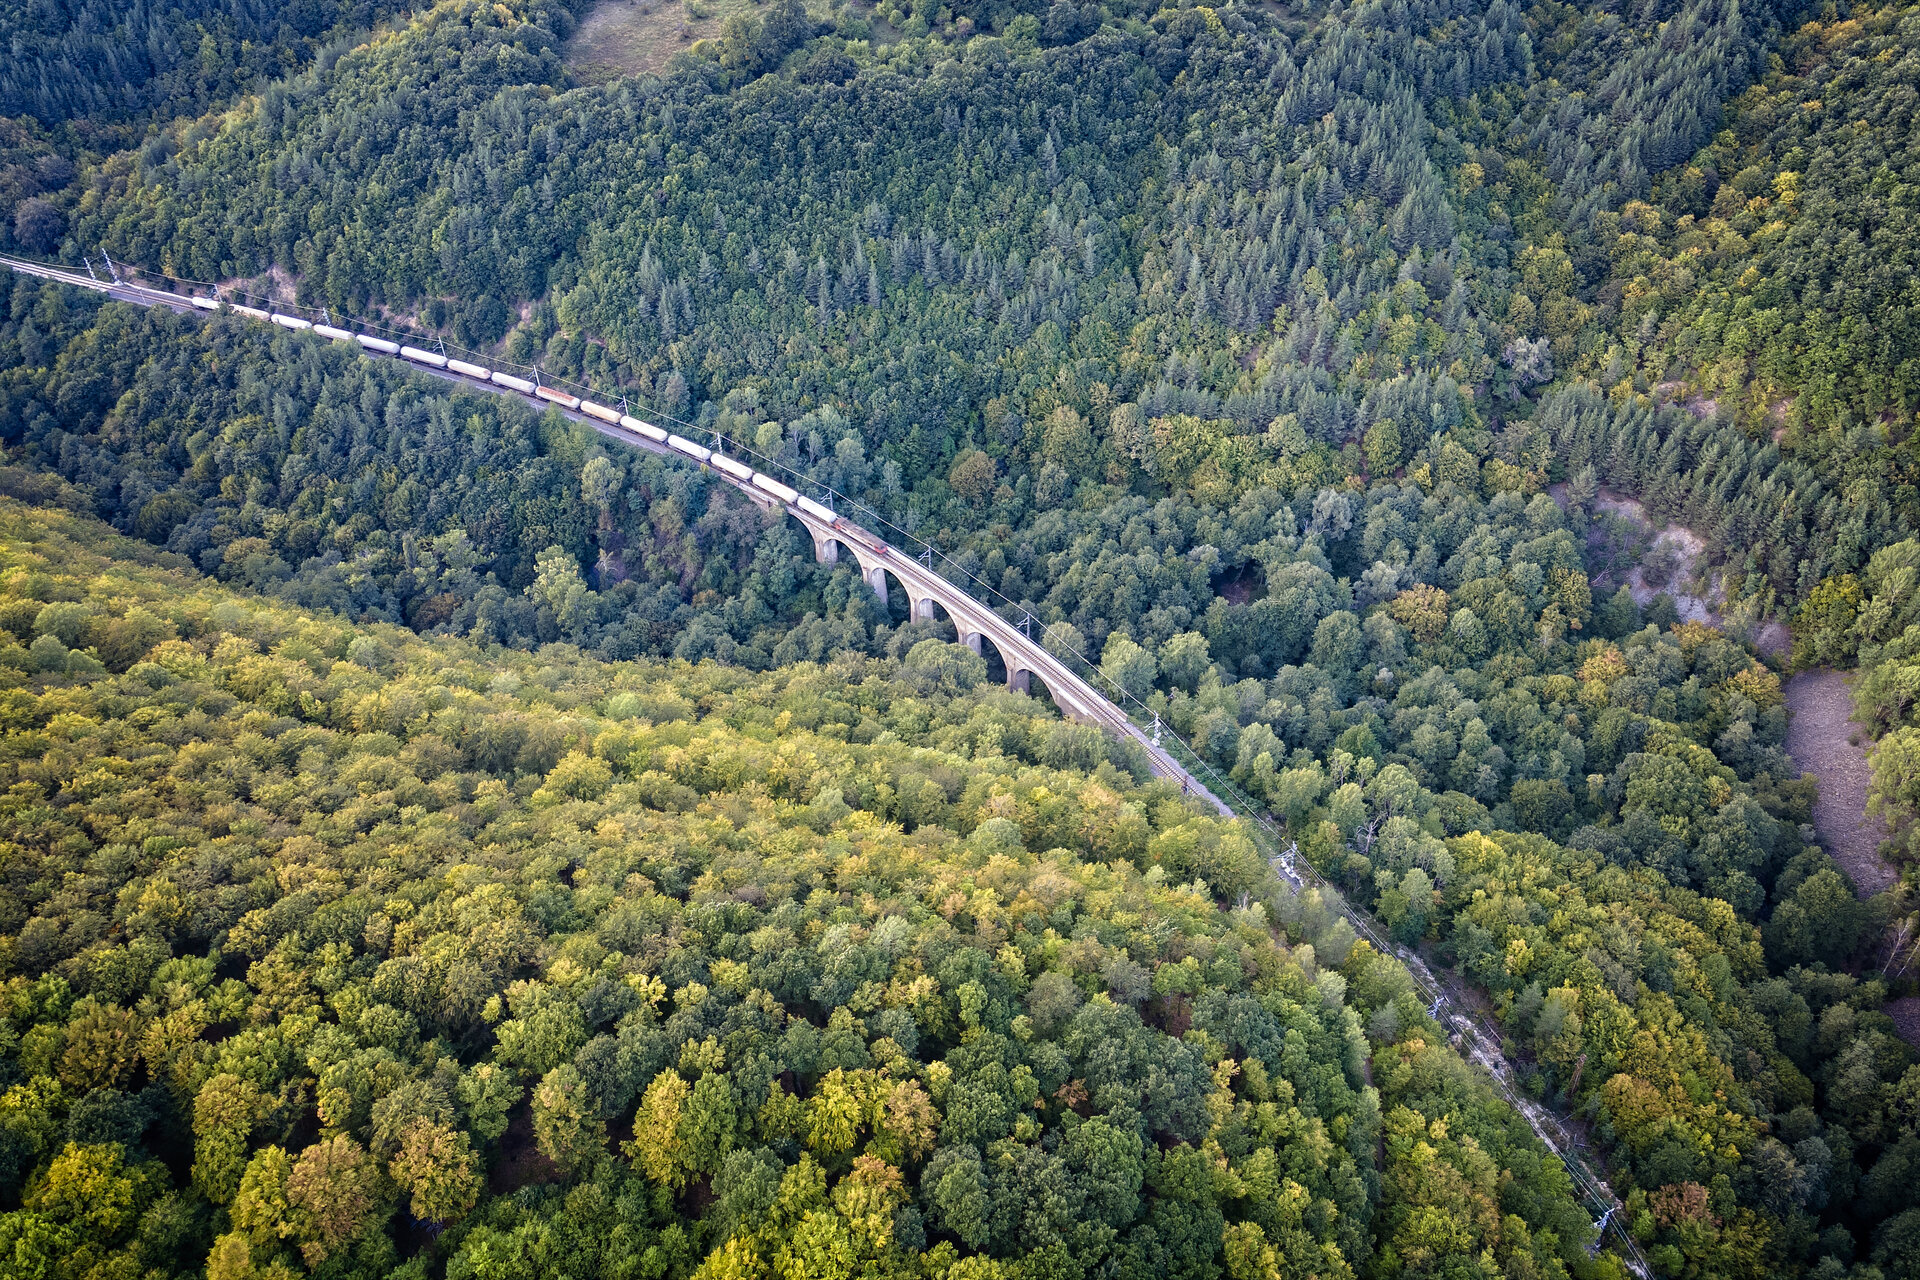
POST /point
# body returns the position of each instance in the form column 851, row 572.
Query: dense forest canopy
column 86, row 78
column 1172, row 250
column 318, row 931
column 444, row 841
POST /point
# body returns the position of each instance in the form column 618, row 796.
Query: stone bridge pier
column 973, row 621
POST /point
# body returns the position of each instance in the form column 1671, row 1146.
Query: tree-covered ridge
column 94, row 64
column 85, row 79
column 1757, row 1108
column 337, row 949
column 1193, row 172
column 1774, row 271
column 1027, row 271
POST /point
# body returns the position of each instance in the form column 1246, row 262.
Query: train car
column 560, row 398
column 786, row 493
column 466, row 370
column 600, row 411
column 683, row 445
column 290, row 322
column 254, row 313
column 738, row 470
column 381, row 345
column 511, row 383
column 646, row 429
column 814, row 509
column 328, row 331
column 854, row 531
column 206, row 304
column 418, row 356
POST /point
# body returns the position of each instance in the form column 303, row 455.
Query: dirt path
column 1820, row 739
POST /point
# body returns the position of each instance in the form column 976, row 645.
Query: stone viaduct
column 931, row 595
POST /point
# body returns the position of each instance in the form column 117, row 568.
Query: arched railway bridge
column 931, row 595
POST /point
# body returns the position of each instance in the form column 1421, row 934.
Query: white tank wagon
column 646, row 429
column 767, row 484
column 511, row 383
column 680, row 444
column 430, row 358
column 560, row 398
column 291, row 322
column 817, row 510
column 479, row 373
column 381, row 345
column 600, row 411
column 332, row 334
column 738, row 470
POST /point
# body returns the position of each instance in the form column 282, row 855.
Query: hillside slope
column 332, row 948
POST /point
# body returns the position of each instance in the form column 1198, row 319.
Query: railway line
column 976, row 623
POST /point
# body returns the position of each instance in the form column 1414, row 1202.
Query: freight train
column 739, row 472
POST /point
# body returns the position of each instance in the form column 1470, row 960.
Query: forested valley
column 442, row 841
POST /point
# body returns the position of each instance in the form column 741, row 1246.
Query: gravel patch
column 1820, row 738
column 1773, row 638
column 1905, row 1013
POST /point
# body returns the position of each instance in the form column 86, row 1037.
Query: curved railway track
column 975, row 621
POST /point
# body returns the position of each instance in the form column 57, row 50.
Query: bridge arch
column 930, row 608
column 830, row 548
column 897, row 597
column 909, row 592
column 1004, row 663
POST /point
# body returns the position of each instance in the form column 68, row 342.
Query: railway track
column 1470, row 1034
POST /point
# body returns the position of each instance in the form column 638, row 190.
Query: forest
column 87, row 79
column 1291, row 366
column 331, row 945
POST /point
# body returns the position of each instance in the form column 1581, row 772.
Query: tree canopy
column 315, row 930
column 440, row 841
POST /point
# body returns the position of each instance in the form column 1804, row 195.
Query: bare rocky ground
column 1905, row 1013
column 1824, row 742
column 1695, row 589
column 1688, row 550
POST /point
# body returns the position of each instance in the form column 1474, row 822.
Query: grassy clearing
column 639, row 37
